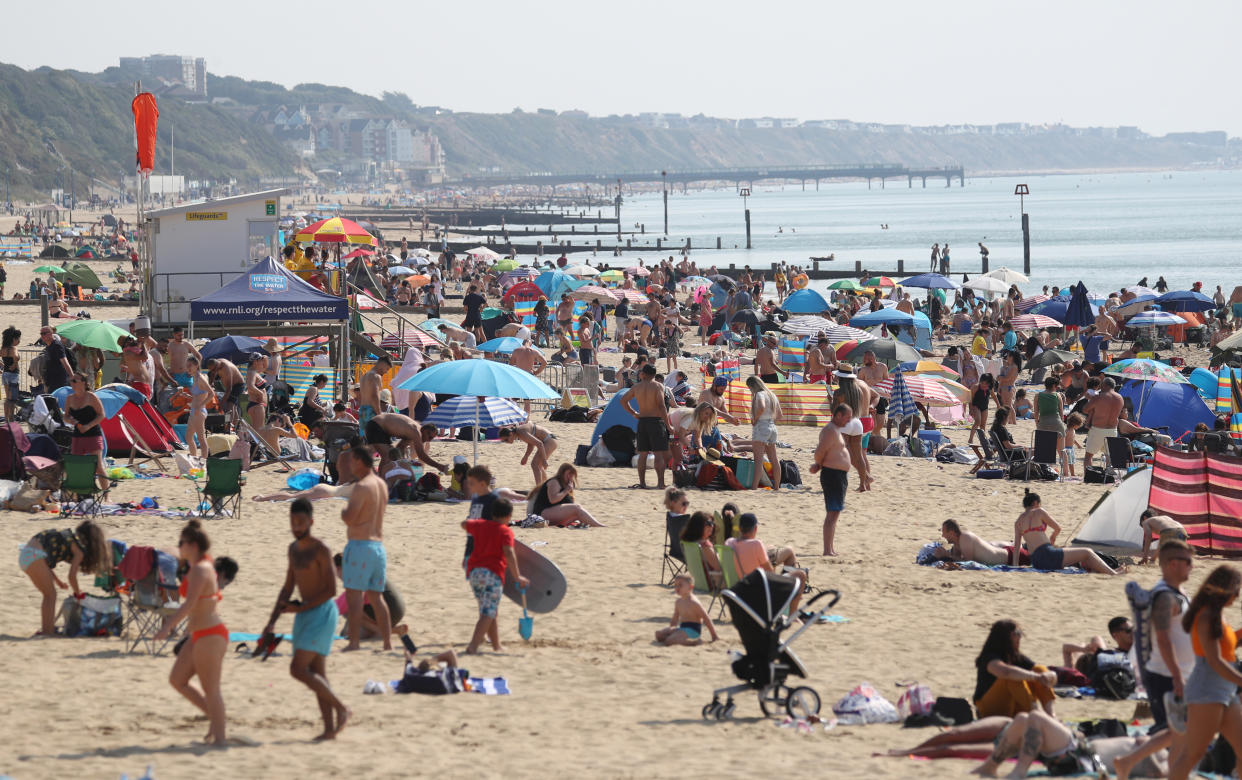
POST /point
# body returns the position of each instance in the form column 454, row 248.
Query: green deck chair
column 223, row 488
column 694, row 565
column 79, row 492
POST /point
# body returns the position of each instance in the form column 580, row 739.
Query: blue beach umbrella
column 463, row 410
column 1079, row 312
column 1153, row 319
column 900, row 402
column 806, row 301
column 237, row 349
column 882, row 317
column 1054, row 308
column 503, row 345
column 1186, row 300
column 930, row 281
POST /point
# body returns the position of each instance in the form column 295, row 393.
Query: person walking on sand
column 832, row 462
column 203, row 655
column 491, row 555
column 315, row 616
column 365, row 562
column 653, row 424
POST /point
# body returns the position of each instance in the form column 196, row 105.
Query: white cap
column 142, row 322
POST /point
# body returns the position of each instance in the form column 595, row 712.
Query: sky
column 1161, row 66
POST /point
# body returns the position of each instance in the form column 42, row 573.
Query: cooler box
column 934, row 438
column 180, row 430
column 745, row 471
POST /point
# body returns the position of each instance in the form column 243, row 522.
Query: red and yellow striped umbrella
column 336, row 230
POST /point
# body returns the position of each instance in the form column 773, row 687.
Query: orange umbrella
column 335, row 230
column 418, row 280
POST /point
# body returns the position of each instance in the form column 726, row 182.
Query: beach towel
column 489, row 686
column 925, row 557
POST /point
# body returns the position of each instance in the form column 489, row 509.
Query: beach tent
column 82, row 275
column 61, row 250
column 555, row 283
column 1203, row 492
column 614, row 414
column 268, row 292
column 922, row 331
column 806, row 301
column 359, row 275
column 126, row 413
column 1160, row 404
column 1114, row 520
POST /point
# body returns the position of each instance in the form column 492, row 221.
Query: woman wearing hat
column 274, row 361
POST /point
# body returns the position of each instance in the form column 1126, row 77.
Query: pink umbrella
column 1026, row 304
column 926, row 390
column 1033, row 322
column 590, row 291
column 633, row 296
column 358, row 253
column 637, row 270
column 414, row 337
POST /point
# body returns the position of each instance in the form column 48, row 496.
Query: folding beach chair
column 674, row 559
column 1008, row 457
column 983, row 451
column 792, row 353
column 694, row 565
column 223, row 487
column 1117, row 455
column 151, row 587
column 80, row 493
column 1044, row 450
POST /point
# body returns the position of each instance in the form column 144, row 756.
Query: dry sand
column 592, row 694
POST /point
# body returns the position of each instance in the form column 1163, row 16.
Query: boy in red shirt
column 492, row 551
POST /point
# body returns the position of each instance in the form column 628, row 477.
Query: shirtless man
column 967, row 546
column 178, row 350
column 765, row 360
column 142, row 332
column 905, row 304
column 530, row 360
column 714, row 395
column 1103, row 410
column 820, row 360
column 314, row 624
column 872, row 371
column 653, row 424
column 832, row 462
column 230, row 379
column 565, row 313
column 364, row 566
column 134, row 366
column 381, row 429
column 372, row 382
column 1162, row 527
column 463, row 337
column 539, row 441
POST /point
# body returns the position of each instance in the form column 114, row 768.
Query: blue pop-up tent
column 268, row 292
column 1159, row 404
column 555, row 283
column 614, row 414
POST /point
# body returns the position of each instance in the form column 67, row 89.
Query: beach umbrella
column 637, row 270
column 806, row 301
column 420, row 252
column 1186, row 300
column 1007, row 275
column 1154, row 319
column 986, row 284
column 813, row 326
column 462, row 410
column 845, row 284
column 888, row 351
column 880, row 281
column 237, row 349
column 958, row 390
column 612, row 276
column 516, row 275
column 929, row 367
column 401, row 270
column 1033, row 322
column 526, row 289
column 745, row 316
column 902, row 391
column 1049, row 358
column 724, row 281
column 335, row 230
column 479, row 377
column 1030, row 302
column 1147, row 370
column 554, row 283
column 93, row 333
column 1140, row 291
column 633, row 296
column 483, row 253
column 507, row 264
column 1079, row 312
column 581, row 271
column 48, row 269
column 1054, row 308
column 592, row 291
column 931, row 281
column 1139, row 304
column 502, row 346
column 418, row 280
column 364, row 252
column 694, row 281
column 414, row 337
column 882, row 317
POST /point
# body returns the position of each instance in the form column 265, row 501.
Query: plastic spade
column 526, row 624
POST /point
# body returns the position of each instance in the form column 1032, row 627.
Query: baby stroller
column 335, row 437
column 758, row 606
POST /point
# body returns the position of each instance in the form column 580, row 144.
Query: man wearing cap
column 765, row 360
column 750, row 553
column 714, row 395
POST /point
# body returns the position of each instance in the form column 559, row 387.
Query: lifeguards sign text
column 206, row 216
column 269, row 284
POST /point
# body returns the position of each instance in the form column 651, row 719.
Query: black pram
column 759, row 608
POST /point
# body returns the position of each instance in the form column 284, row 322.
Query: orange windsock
column 146, row 117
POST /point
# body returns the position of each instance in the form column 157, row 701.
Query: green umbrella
column 49, row 269
column 845, row 284
column 93, row 333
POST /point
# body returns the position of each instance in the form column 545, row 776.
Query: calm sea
column 1109, row 230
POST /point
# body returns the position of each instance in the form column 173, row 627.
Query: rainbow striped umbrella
column 336, row 230
column 927, row 390
column 633, row 296
column 1033, row 322
column 1147, row 370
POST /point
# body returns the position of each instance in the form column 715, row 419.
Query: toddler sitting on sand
column 689, row 617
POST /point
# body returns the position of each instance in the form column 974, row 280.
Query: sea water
column 1108, row 230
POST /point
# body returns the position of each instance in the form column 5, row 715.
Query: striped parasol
column 812, row 325
column 590, row 292
column 633, row 296
column 462, row 410
column 1154, row 319
column 900, row 402
column 927, row 390
column 414, row 337
column 1026, row 304
column 1033, row 322
column 336, row 230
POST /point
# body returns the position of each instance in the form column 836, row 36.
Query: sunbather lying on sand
column 966, row 546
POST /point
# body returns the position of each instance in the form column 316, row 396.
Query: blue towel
column 489, row 686
column 924, row 557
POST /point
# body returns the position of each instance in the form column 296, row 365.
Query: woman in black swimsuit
column 554, row 500
column 84, row 549
column 985, row 390
column 11, row 378
column 86, row 412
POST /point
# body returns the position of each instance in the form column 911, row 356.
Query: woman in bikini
column 12, row 361
column 85, row 549
column 1038, row 531
column 539, row 441
column 203, row 655
column 554, row 500
column 196, row 425
column 1007, row 379
column 256, row 410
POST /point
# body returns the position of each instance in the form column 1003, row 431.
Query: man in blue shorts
column 832, row 463
column 315, row 615
column 364, row 562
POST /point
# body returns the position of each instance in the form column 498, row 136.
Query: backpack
column 1116, row 682
column 790, row 475
column 621, row 441
column 918, row 448
column 93, row 616
column 1141, row 600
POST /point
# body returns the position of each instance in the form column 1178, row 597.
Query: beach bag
column 683, row 477
column 790, row 475
column 580, row 455
column 621, row 441
column 915, row 700
column 93, row 616
column 1111, row 675
column 865, row 705
column 28, row 499
column 918, row 447
column 436, row 681
column 1141, row 600
column 990, row 474
column 1096, row 475
column 600, row 455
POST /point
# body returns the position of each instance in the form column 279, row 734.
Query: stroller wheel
column 710, row 709
column 771, row 700
column 726, row 712
column 803, row 702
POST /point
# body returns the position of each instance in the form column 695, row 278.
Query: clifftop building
column 189, row 72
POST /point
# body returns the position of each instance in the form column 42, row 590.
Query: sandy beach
column 592, row 694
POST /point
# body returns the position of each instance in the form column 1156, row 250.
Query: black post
column 664, row 180
column 748, row 228
column 1026, row 244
